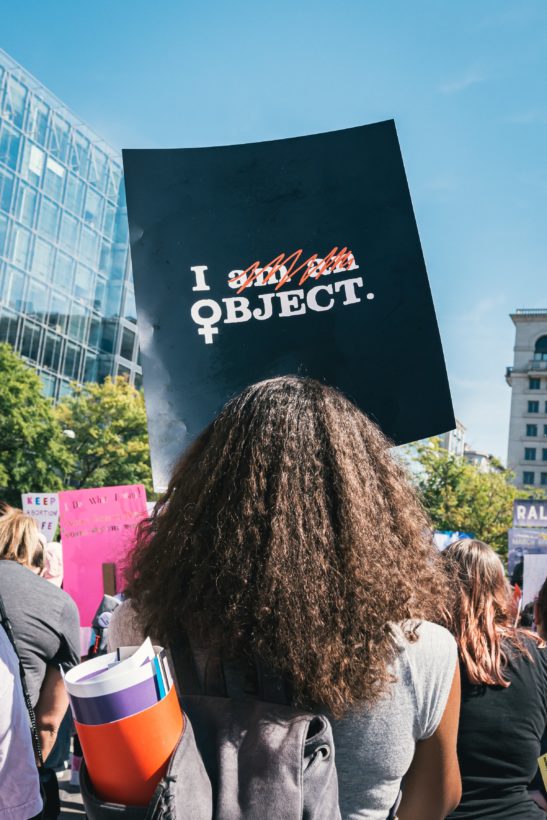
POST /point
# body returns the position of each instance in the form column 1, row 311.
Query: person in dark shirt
column 504, row 690
column 537, row 787
column 44, row 619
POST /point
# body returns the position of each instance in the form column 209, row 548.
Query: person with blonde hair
column 19, row 537
column 504, row 689
column 44, row 619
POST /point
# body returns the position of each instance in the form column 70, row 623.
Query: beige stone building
column 527, row 378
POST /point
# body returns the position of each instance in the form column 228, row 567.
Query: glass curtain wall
column 66, row 293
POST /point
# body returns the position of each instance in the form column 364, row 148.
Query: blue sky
column 466, row 83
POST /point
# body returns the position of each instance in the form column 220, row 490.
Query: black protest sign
column 297, row 256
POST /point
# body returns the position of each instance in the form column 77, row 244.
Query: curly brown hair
column 290, row 533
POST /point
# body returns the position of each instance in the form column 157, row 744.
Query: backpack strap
column 200, row 672
column 6, row 623
column 185, row 671
column 271, row 686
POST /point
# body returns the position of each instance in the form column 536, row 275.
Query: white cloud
column 534, row 116
column 462, row 83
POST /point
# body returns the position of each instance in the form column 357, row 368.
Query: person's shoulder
column 423, row 639
column 53, row 592
column 124, row 628
column 431, row 656
column 536, row 648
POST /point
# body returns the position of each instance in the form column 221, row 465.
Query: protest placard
column 529, row 513
column 44, row 508
column 443, row 538
column 297, row 256
column 535, row 573
column 97, row 527
column 524, row 540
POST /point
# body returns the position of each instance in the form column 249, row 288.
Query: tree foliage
column 33, row 452
column 459, row 496
column 105, row 428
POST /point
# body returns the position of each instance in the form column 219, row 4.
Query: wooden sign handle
column 109, row 579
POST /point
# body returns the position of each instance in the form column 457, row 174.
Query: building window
column 74, row 195
column 534, row 384
column 94, row 333
column 540, row 352
column 62, row 272
column 48, row 221
column 544, row 479
column 528, row 477
column 26, row 204
column 73, row 358
column 83, row 284
column 124, row 371
column 16, row 290
column 90, row 370
column 89, row 245
column 54, row 178
column 42, row 261
column 38, row 121
column 531, row 429
column 8, row 326
column 49, row 383
column 37, row 300
column 58, row 313
column 529, row 453
column 51, row 353
column 34, row 163
column 69, row 232
column 545, row 430
column 533, row 406
column 3, row 233
column 544, row 454
column 127, row 345
column 20, row 245
column 10, row 140
column 30, row 341
column 93, row 209
column 6, row 189
column 14, row 102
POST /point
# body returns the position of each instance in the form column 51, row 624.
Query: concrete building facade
column 454, row 440
column 527, row 377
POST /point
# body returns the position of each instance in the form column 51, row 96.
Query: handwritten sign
column 522, row 541
column 44, row 508
column 97, row 527
column 535, row 573
column 529, row 513
column 274, row 258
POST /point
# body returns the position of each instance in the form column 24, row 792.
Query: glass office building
column 67, row 303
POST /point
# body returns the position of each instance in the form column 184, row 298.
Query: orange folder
column 127, row 758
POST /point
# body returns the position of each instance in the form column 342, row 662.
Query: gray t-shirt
column 45, row 622
column 374, row 746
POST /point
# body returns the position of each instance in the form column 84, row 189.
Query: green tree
column 459, row 496
column 33, row 451
column 105, row 426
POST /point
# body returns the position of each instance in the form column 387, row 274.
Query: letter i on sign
column 199, row 272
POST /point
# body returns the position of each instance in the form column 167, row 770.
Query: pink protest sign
column 97, row 527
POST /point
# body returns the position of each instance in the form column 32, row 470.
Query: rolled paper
column 103, row 675
column 127, row 758
column 116, row 705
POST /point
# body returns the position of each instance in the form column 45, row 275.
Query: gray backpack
column 244, row 754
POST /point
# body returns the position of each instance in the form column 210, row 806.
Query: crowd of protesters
column 290, row 534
